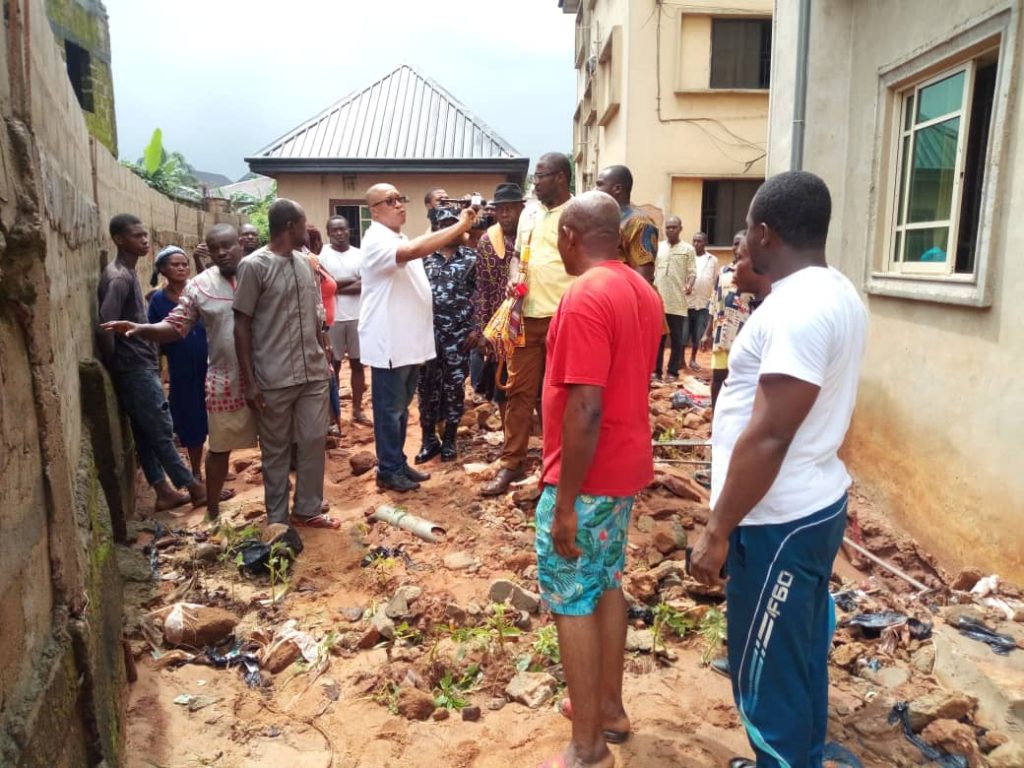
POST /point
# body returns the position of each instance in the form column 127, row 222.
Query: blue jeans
column 142, row 397
column 392, row 390
column 781, row 619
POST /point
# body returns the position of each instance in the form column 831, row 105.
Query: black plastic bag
column 901, row 714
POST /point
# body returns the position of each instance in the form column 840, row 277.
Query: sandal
column 334, row 431
column 362, row 418
column 703, row 477
column 610, row 736
column 226, row 493
column 317, row 521
column 558, row 761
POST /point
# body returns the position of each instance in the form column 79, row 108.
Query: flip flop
column 742, row 762
column 317, row 521
column 226, row 493
column 610, row 736
column 361, row 418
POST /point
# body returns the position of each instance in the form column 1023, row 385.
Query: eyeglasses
column 391, row 202
column 539, row 175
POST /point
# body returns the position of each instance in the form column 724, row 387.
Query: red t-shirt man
column 605, row 333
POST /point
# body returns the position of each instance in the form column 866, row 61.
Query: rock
column 497, row 703
column 352, row 614
column 639, row 640
column 923, row 659
column 383, row 624
column 846, row 655
column 504, row 590
column 886, row 677
column 526, row 495
column 993, row 739
column 441, row 714
column 208, row 552
column 362, row 462
column 664, row 542
column 474, row 610
column 414, row 704
column 458, row 561
column 331, row 689
column 966, row 578
column 678, row 485
column 195, row 626
column 1009, row 755
column 670, row 573
column 645, row 524
column 273, row 532
column 643, row 586
column 693, row 421
column 940, row 705
column 951, row 614
column 399, row 605
column 281, row 656
column 454, row 614
column 471, row 714
column 252, row 513
column 493, row 424
column 954, row 738
column 478, row 471
column 534, row 689
column 678, row 531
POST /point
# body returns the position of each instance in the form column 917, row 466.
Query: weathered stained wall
column 84, row 22
column 940, row 417
column 65, row 478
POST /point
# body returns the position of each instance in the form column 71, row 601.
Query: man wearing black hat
column 451, row 272
column 495, row 250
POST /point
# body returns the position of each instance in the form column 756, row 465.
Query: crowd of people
column 255, row 343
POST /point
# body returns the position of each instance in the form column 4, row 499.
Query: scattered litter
column 385, row 553
column 423, row 529
column 986, row 586
column 684, row 400
column 872, row 624
column 248, row 663
column 901, row 714
column 254, row 556
column 976, row 630
column 846, row 600
column 640, row 613
column 195, row 703
column 289, row 632
column 839, row 754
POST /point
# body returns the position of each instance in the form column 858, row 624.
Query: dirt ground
column 340, row 710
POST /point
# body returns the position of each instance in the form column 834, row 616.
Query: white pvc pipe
column 417, row 526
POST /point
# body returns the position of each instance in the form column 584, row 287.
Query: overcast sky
column 223, row 78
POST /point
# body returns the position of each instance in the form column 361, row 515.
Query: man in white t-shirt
column 396, row 326
column 344, row 263
column 778, row 492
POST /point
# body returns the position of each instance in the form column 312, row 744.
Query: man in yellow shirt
column 546, row 281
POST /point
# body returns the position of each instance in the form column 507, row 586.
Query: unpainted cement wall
column 65, row 469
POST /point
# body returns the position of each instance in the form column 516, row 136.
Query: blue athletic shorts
column 574, row 587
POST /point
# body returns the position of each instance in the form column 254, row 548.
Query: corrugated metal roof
column 402, row 116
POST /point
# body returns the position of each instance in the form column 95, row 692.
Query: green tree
column 256, row 209
column 166, row 172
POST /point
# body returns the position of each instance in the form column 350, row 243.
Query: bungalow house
column 403, row 129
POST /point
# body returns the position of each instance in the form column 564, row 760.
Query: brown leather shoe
column 502, row 481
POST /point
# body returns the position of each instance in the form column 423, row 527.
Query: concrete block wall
column 64, row 468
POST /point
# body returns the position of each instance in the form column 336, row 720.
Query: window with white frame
column 944, row 126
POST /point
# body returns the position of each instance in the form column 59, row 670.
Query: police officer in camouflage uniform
column 442, row 385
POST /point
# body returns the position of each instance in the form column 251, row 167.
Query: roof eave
column 271, row 166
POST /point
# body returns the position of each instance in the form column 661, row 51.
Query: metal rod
column 890, row 568
column 683, row 461
column 690, row 442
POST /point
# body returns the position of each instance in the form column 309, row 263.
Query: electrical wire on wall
column 700, row 122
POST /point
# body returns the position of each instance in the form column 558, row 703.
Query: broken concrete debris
column 504, row 590
column 533, row 689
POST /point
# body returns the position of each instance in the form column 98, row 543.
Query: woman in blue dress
column 186, row 359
